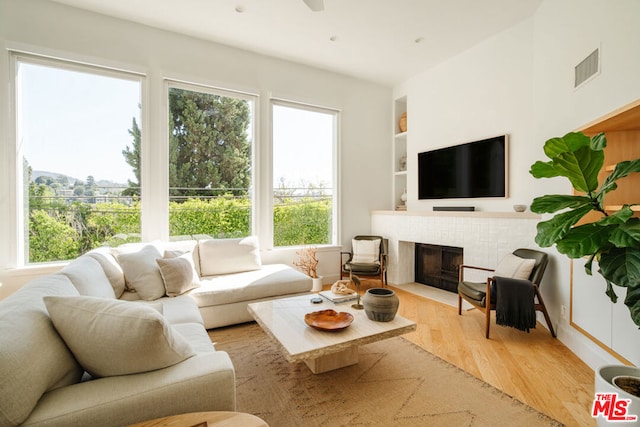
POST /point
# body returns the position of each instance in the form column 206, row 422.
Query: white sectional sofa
column 119, row 336
column 229, row 275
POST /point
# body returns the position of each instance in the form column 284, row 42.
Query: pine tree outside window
column 210, row 169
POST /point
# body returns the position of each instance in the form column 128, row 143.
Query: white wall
column 58, row 30
column 521, row 82
column 483, row 92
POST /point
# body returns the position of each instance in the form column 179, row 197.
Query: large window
column 210, row 162
column 86, row 176
column 76, row 127
column 304, row 165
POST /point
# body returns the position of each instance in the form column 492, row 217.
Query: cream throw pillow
column 178, row 273
column 112, row 337
column 141, row 272
column 515, row 267
column 365, row 251
column 225, row 256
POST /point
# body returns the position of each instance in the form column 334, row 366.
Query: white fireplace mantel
column 485, row 237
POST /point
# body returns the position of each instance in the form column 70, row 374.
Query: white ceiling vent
column 588, row 68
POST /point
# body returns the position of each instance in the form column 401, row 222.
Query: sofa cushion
column 142, row 273
column 88, row 276
column 197, row 336
column 272, row 280
column 514, row 267
column 181, row 309
column 34, row 357
column 111, row 268
column 111, row 337
column 365, row 251
column 178, row 272
column 225, row 256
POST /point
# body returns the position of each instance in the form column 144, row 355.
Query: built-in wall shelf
column 399, row 149
column 615, row 208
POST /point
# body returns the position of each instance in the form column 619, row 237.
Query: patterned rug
column 396, row 383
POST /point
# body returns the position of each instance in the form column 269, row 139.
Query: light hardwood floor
column 533, row 367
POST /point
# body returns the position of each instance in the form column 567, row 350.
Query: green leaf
column 611, row 293
column 621, row 266
column 569, row 143
column 581, row 167
column 627, row 235
column 549, row 232
column 632, row 300
column 598, row 142
column 543, row 170
column 584, row 240
column 619, row 217
column 555, row 202
column 621, row 170
column 589, row 264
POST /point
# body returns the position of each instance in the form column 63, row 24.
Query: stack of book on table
column 338, row 298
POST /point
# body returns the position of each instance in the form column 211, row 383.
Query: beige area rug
column 435, row 294
column 396, row 383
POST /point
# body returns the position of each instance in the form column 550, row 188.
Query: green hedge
column 61, row 234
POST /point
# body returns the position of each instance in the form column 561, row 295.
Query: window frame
column 18, row 213
column 170, row 83
column 336, row 113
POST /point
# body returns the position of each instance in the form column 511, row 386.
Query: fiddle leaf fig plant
column 613, row 240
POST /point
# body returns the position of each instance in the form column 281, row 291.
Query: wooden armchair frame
column 489, row 306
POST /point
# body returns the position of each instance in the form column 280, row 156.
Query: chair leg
column 487, row 321
column 459, row 305
column 541, row 307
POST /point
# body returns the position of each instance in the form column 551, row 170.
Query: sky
column 77, row 124
column 302, row 146
column 79, row 116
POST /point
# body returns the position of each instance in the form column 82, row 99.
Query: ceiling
column 386, row 41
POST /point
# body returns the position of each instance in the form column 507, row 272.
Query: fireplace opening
column 437, row 266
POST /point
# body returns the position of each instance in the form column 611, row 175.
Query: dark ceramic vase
column 380, row 304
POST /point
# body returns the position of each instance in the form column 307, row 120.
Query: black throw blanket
column 515, row 306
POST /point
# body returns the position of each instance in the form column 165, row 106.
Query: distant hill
column 55, row 175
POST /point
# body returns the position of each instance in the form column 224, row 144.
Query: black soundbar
column 454, row 208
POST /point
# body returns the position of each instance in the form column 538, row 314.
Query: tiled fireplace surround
column 485, row 237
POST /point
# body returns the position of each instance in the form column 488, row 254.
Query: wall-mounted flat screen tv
column 472, row 170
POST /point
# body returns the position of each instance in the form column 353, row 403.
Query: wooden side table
column 205, row 419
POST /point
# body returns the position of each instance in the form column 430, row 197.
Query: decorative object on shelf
column 519, row 208
column 308, row 263
column 403, row 197
column 380, row 304
column 356, row 281
column 612, row 240
column 402, row 124
column 403, row 162
column 605, row 385
column 328, row 320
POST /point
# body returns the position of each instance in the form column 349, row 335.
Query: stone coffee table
column 283, row 320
